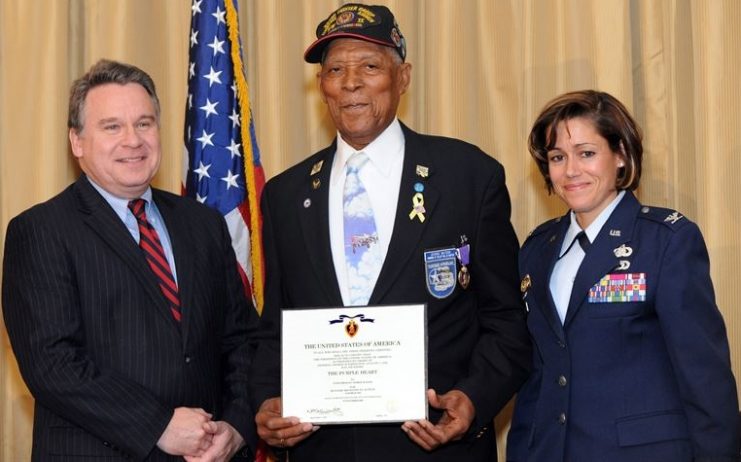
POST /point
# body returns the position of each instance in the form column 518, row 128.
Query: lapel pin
column 422, row 171
column 316, row 168
column 418, row 207
column 525, row 283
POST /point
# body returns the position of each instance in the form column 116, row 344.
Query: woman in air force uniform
column 631, row 358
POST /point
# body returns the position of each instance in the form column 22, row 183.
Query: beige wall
column 482, row 70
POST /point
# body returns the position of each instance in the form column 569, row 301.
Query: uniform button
column 562, row 418
column 187, row 360
column 106, row 444
column 561, row 344
column 562, row 381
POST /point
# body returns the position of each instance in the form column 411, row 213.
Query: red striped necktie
column 151, row 245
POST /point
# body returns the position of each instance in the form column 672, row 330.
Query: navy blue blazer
column 477, row 338
column 95, row 341
column 646, row 380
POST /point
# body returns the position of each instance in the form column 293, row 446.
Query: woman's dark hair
column 611, row 120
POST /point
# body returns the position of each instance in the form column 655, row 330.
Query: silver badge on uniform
column 623, row 251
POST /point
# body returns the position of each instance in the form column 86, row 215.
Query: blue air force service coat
column 640, row 368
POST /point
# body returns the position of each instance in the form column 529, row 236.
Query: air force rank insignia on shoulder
column 440, row 271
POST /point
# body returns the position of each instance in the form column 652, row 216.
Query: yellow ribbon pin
column 418, row 208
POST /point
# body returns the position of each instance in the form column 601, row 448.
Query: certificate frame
column 354, row 365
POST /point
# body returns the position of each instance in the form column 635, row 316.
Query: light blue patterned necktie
column 363, row 258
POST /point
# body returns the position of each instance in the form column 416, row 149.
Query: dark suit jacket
column 478, row 341
column 627, row 381
column 96, row 344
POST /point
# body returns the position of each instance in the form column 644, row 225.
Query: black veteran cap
column 372, row 23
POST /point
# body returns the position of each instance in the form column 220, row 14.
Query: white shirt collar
column 382, row 152
column 594, row 228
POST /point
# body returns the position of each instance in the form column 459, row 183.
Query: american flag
column 222, row 160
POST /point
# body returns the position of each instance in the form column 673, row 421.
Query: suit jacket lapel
column 103, row 221
column 408, row 232
column 313, row 209
column 542, row 277
column 181, row 242
column 601, row 259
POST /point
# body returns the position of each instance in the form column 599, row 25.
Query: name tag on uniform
column 620, row 287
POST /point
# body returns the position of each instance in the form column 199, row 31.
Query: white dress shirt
column 381, row 176
column 571, row 256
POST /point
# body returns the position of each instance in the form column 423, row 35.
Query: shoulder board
column 668, row 217
column 543, row 227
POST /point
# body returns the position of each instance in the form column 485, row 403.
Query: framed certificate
column 363, row 364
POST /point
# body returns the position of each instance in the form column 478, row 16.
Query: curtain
column 482, row 70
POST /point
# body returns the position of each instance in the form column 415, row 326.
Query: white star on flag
column 234, row 148
column 196, row 8
column 217, row 45
column 212, row 77
column 205, row 139
column 219, row 15
column 235, row 118
column 202, row 171
column 231, row 180
column 209, row 108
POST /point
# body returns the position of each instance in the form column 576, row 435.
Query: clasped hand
column 192, row 434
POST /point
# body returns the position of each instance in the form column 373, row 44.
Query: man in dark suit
column 122, row 302
column 424, row 193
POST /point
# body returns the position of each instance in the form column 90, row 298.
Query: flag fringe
column 243, row 96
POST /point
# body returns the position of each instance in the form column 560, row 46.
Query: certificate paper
column 355, row 364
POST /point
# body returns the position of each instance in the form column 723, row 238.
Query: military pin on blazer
column 316, row 168
column 525, row 284
column 464, row 257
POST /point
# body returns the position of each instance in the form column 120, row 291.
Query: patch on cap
column 348, row 17
column 372, row 23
